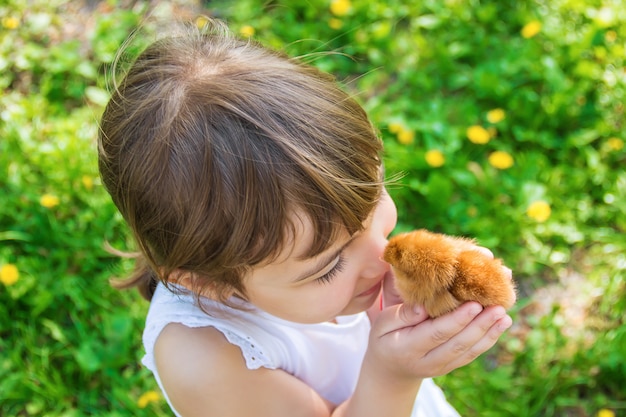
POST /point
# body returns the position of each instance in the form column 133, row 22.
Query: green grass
column 70, row 345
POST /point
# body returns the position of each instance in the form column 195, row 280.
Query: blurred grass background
column 507, row 119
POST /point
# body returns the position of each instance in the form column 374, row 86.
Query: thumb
column 397, row 317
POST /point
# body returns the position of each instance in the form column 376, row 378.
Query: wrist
column 378, row 394
column 393, row 378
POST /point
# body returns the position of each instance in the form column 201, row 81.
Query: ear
column 196, row 284
column 181, row 277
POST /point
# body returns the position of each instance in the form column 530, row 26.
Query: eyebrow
column 323, row 262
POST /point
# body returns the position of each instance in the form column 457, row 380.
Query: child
column 254, row 189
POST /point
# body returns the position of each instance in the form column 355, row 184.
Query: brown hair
column 208, row 145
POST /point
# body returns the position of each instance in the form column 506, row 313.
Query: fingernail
column 499, row 314
column 505, row 324
column 503, row 327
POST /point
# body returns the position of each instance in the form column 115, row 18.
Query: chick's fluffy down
column 441, row 272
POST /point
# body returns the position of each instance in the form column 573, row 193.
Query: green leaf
column 427, row 21
column 14, row 235
column 87, row 358
column 55, row 330
column 439, row 191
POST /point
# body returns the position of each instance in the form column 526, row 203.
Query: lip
column 374, row 290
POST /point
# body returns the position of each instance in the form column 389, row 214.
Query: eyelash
column 328, row 277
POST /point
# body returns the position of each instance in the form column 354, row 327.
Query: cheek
column 320, row 302
column 337, row 294
column 348, row 281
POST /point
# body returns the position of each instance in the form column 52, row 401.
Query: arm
column 405, row 346
column 204, row 375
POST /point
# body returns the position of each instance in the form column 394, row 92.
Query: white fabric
column 326, row 356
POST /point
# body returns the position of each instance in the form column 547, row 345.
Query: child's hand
column 406, row 344
column 390, row 294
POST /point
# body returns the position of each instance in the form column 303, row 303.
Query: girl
column 253, row 187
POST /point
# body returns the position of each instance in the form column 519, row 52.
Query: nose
column 375, row 269
column 383, row 222
column 389, row 214
column 373, row 265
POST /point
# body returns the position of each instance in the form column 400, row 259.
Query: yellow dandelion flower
column 9, row 274
column 10, row 22
column 340, row 7
column 395, row 127
column 49, row 200
column 406, row 137
column 87, row 182
column 610, row 36
column 495, row 115
column 201, row 21
column 500, row 160
column 605, row 412
column 539, row 211
column 478, row 134
column 435, row 158
column 531, row 29
column 335, row 23
column 147, row 398
column 247, row 31
column 616, row 144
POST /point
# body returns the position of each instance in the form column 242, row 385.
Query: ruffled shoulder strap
column 168, row 307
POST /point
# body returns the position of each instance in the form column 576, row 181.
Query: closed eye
column 328, row 277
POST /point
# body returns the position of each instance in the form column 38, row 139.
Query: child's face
column 344, row 279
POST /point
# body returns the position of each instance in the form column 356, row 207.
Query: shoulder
column 203, row 374
column 187, row 358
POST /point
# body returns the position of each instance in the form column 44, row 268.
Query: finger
column 398, row 317
column 390, row 293
column 484, row 344
column 443, row 328
column 478, row 337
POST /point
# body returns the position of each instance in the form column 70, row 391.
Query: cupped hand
column 406, row 344
column 390, row 294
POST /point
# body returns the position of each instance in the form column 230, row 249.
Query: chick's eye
column 328, row 277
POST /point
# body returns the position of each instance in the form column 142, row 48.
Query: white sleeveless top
column 326, row 356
